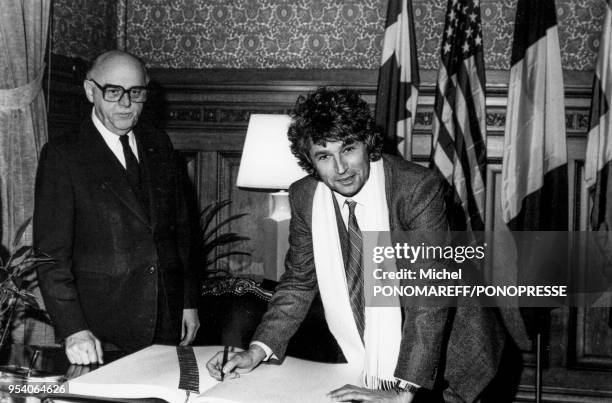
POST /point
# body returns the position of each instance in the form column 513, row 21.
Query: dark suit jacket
column 113, row 254
column 463, row 344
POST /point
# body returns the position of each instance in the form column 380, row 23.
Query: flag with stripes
column 459, row 130
column 398, row 80
column 598, row 160
column 534, row 188
column 599, row 144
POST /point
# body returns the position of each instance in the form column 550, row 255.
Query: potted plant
column 17, row 281
column 211, row 239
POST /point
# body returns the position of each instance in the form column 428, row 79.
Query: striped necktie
column 354, row 270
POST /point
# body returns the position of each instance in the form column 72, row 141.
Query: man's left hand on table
column 349, row 393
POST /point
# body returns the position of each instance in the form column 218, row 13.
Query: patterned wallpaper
column 580, row 23
column 497, row 26
column 83, row 28
column 303, row 34
column 256, row 33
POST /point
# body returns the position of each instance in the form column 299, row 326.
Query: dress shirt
column 112, row 140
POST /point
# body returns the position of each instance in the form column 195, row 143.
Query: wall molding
column 223, row 99
column 194, row 94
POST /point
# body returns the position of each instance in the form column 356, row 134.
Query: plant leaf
column 28, row 299
column 17, row 281
column 222, row 223
column 38, row 260
column 213, row 211
column 206, row 243
column 19, row 256
column 224, row 239
column 224, row 255
column 205, row 209
column 21, row 252
column 19, row 234
column 28, row 265
column 209, row 238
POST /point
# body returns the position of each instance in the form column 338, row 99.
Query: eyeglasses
column 114, row 93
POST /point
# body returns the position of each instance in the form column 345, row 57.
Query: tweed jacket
column 441, row 347
column 113, row 254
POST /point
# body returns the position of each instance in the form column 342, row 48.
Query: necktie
column 354, row 270
column 131, row 163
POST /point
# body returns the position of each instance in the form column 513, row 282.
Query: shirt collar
column 107, row 134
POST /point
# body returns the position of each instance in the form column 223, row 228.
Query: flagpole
column 540, row 128
column 538, row 375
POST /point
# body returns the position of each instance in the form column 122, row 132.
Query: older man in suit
column 110, row 208
column 353, row 188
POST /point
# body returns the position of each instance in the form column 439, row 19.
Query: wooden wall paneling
column 207, row 179
column 490, row 206
column 494, row 183
column 191, row 163
column 255, row 204
column 589, row 336
column 67, row 103
column 591, row 344
column 564, row 395
column 562, row 382
column 576, row 149
column 207, row 137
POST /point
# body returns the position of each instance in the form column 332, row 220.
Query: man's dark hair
column 332, row 115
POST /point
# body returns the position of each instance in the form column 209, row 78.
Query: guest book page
column 154, row 373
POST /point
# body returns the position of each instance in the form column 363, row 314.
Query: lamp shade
column 267, row 161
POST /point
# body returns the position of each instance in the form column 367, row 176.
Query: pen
column 225, row 351
column 33, row 361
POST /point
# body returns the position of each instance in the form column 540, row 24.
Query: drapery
column 24, row 27
column 23, row 120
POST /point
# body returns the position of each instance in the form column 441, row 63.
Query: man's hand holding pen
column 237, row 363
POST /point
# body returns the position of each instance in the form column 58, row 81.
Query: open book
column 154, row 373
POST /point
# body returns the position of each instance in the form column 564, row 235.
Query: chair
column 231, row 308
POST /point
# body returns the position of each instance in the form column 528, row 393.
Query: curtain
column 24, row 27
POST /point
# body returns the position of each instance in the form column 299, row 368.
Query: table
column 50, row 360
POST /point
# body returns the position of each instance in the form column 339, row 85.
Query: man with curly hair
column 435, row 353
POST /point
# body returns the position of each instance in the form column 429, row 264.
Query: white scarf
column 382, row 335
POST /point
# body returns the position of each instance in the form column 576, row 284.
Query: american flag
column 459, row 131
column 398, row 79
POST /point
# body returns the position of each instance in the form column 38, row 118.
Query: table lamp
column 267, row 163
